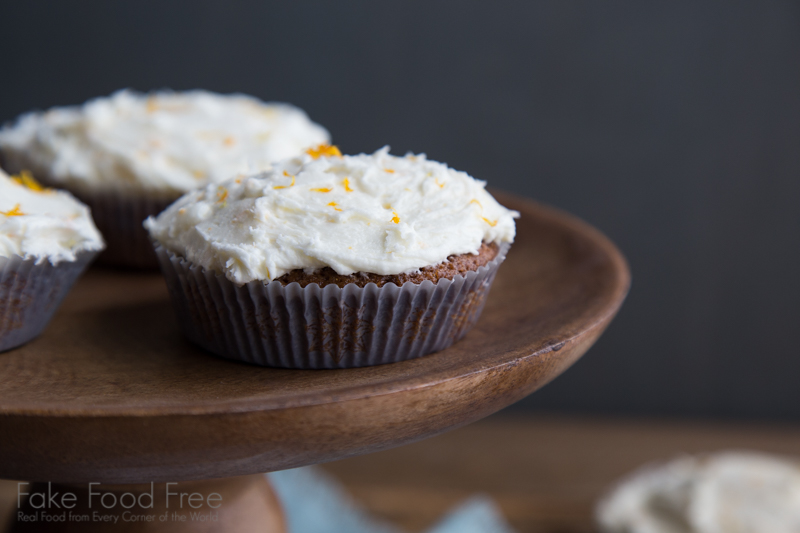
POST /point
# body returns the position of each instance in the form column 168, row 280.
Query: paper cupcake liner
column 290, row 326
column 119, row 216
column 30, row 293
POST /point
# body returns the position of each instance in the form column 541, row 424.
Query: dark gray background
column 672, row 126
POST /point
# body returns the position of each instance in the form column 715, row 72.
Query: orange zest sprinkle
column 13, row 212
column 490, row 222
column 395, row 218
column 346, row 184
column 199, row 174
column 285, row 186
column 152, row 105
column 389, row 170
column 333, row 205
column 229, row 141
column 324, row 150
column 25, row 178
column 474, row 201
column 222, row 194
column 321, row 189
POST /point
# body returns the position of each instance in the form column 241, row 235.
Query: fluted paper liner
column 290, row 326
column 119, row 216
column 30, row 293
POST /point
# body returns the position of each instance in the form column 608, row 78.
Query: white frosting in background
column 162, row 141
column 723, row 493
column 43, row 223
column 366, row 213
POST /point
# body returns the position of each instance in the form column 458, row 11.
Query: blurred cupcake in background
column 130, row 155
column 47, row 238
column 723, row 492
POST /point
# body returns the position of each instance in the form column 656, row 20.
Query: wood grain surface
column 112, row 393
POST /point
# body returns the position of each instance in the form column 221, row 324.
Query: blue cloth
column 316, row 503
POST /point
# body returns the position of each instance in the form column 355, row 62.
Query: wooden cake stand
column 113, row 394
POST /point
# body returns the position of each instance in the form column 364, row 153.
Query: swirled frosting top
column 375, row 213
column 162, row 141
column 43, row 223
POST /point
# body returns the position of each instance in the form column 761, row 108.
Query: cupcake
column 331, row 261
column 47, row 238
column 130, row 155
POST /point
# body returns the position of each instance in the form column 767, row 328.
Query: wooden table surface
column 545, row 472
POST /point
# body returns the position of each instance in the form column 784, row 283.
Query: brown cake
column 454, row 266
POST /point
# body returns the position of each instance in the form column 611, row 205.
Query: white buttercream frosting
column 733, row 492
column 41, row 223
column 162, row 141
column 375, row 213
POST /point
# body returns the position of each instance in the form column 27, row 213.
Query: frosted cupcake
column 130, row 155
column 330, row 261
column 47, row 238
